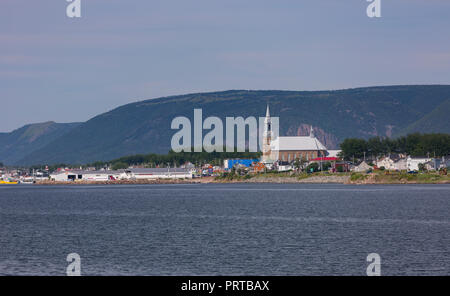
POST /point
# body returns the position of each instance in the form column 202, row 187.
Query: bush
column 422, row 167
column 313, row 167
column 326, row 166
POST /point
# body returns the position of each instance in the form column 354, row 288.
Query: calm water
column 225, row 229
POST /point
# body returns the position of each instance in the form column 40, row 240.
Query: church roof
column 297, row 143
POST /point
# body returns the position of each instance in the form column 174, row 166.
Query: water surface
column 226, row 229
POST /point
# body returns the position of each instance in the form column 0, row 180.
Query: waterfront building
column 128, row 174
column 83, row 175
column 386, row 162
column 392, row 163
column 157, row 173
column 413, row 163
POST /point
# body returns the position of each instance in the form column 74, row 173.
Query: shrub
column 313, row 167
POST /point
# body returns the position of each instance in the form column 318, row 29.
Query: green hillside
column 29, row 138
column 436, row 121
column 144, row 127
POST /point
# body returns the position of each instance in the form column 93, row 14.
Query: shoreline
column 353, row 179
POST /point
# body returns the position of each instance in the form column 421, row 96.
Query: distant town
column 295, row 158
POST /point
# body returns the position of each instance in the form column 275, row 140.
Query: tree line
column 174, row 159
column 171, row 159
column 432, row 145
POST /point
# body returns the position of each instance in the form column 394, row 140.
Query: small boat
column 8, row 182
column 27, row 182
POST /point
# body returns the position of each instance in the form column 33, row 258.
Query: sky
column 55, row 68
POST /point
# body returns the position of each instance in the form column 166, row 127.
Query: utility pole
column 321, row 167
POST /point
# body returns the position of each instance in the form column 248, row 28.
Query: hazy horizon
column 54, row 68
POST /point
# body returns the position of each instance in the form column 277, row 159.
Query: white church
column 289, row 148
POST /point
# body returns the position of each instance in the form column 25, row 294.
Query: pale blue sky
column 61, row 69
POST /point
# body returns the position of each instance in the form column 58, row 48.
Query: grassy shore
column 399, row 178
column 343, row 178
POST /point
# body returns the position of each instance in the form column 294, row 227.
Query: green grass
column 358, row 177
column 421, row 178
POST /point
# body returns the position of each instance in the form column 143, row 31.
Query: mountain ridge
column 144, row 126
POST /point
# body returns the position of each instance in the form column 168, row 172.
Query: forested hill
column 144, row 126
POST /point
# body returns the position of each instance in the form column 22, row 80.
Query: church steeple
column 267, row 136
column 268, row 124
column 311, row 132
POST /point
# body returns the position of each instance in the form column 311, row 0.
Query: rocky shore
column 129, row 182
column 206, row 180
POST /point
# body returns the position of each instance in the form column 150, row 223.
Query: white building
column 129, row 174
column 289, row 148
column 386, row 162
column 392, row 164
column 413, row 163
column 85, row 175
column 157, row 173
column 400, row 165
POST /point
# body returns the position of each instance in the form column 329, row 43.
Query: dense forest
column 433, row 145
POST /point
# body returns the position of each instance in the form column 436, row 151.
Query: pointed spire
column 311, row 132
column 268, row 111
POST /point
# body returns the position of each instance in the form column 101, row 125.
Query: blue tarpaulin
column 246, row 162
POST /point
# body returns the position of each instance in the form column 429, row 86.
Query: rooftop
column 297, row 143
